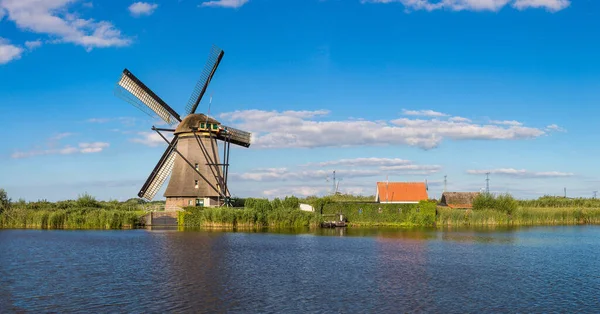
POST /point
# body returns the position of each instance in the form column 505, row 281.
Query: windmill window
column 215, row 126
column 196, row 184
column 208, row 125
column 202, row 125
column 196, row 166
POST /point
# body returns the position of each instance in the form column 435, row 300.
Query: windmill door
column 199, row 202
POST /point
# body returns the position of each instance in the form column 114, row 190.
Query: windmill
column 192, row 158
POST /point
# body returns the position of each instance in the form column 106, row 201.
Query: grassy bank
column 505, row 210
column 257, row 213
column 521, row 216
column 83, row 213
column 82, row 218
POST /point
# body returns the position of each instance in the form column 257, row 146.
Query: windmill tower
column 198, row 177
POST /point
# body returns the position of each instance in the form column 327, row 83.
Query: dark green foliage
column 86, row 200
column 504, row 202
column 422, row 214
column 291, row 202
column 237, row 202
column 4, row 201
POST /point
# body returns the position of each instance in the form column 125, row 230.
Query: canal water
column 539, row 270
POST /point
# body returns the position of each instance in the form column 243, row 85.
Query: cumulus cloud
column 56, row 19
column 522, row 173
column 459, row 119
column 151, row 139
column 423, row 113
column 345, row 168
column 9, row 52
column 272, row 129
column 31, row 45
column 506, row 122
column 364, row 162
column 554, row 127
column 82, row 148
column 477, row 5
column 142, row 8
column 224, row 3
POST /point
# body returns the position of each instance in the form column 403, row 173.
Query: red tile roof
column 401, row 191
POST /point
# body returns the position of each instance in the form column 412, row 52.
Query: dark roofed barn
column 462, row 200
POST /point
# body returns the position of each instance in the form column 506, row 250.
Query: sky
column 398, row 90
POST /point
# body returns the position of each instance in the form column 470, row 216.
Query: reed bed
column 84, row 218
column 247, row 218
column 521, row 216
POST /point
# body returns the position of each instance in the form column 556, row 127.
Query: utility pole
column 487, row 183
column 445, row 182
column 595, row 193
column 333, row 182
column 565, row 192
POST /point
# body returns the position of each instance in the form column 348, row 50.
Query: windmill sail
column 132, row 90
column 216, row 54
column 161, row 171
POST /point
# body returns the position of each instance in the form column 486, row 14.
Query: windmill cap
column 193, row 121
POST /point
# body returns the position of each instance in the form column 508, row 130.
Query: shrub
column 4, row 201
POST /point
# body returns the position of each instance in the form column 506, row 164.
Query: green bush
column 504, row 203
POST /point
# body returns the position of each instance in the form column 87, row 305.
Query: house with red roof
column 401, row 192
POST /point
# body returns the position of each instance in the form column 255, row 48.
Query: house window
column 196, row 184
column 196, row 166
column 190, row 202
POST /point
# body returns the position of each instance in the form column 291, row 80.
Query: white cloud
column 60, row 136
column 142, row 8
column 423, row 113
column 476, row 5
column 459, row 119
column 550, row 5
column 345, row 168
column 9, row 52
column 96, row 147
column 33, row 44
column 295, row 191
column 364, row 162
column 53, row 18
column 82, row 148
column 128, row 121
column 554, row 127
column 522, row 173
column 272, row 129
column 506, row 122
column 151, row 139
column 224, row 3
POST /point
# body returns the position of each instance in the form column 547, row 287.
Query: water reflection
column 547, row 269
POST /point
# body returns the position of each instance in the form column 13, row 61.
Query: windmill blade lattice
column 161, row 171
column 214, row 58
column 132, row 90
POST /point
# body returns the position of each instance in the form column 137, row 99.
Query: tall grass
column 84, row 218
column 521, row 216
column 246, row 217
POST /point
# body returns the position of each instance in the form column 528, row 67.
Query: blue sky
column 408, row 90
